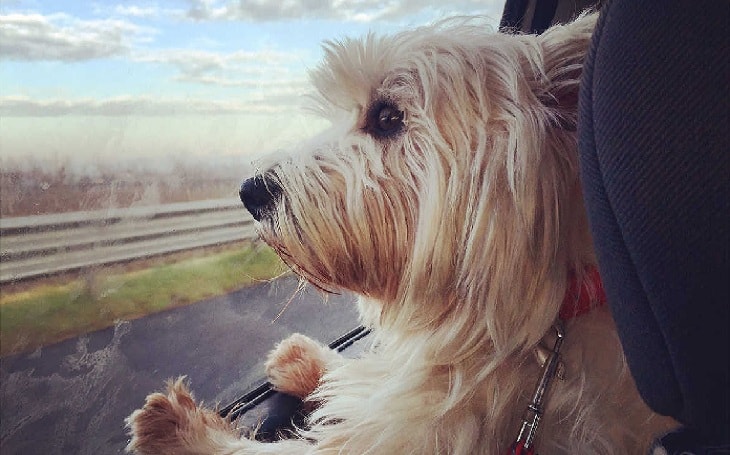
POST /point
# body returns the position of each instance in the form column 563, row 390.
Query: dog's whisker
column 288, row 302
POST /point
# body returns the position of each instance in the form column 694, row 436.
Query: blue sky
column 129, row 79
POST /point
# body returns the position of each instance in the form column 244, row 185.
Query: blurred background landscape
column 40, row 188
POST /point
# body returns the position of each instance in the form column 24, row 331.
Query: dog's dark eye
column 384, row 120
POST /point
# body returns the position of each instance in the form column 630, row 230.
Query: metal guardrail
column 43, row 245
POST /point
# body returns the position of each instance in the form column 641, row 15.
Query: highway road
column 72, row 397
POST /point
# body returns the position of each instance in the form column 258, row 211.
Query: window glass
column 127, row 258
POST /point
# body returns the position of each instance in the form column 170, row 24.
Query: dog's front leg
column 298, row 363
column 172, row 423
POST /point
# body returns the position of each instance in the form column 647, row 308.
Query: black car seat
column 654, row 161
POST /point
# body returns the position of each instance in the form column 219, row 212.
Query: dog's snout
column 259, row 195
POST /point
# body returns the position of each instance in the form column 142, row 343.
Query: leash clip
column 533, row 414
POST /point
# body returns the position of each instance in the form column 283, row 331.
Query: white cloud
column 291, row 86
column 60, row 37
column 65, row 38
column 22, row 106
column 137, row 11
column 195, row 62
column 345, row 10
column 242, row 69
column 143, row 10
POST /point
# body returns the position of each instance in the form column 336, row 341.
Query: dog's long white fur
column 459, row 234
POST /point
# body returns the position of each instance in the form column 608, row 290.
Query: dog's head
column 448, row 179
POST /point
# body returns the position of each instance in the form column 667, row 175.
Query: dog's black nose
column 259, row 195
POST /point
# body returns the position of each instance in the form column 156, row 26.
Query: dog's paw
column 297, row 364
column 172, row 424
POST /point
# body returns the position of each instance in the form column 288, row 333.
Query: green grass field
column 45, row 314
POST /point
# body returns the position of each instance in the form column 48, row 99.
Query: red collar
column 584, row 293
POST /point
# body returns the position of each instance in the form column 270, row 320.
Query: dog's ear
column 563, row 48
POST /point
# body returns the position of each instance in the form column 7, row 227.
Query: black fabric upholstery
column 513, row 15
column 543, row 16
column 536, row 16
column 654, row 160
column 285, row 413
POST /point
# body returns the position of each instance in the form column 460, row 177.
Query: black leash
column 263, row 391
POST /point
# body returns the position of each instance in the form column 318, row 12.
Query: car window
column 127, row 257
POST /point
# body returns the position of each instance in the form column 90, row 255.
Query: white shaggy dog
column 447, row 197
